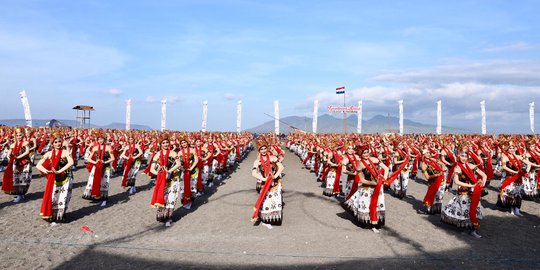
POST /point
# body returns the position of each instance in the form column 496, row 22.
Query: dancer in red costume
column 367, row 203
column 464, row 210
column 131, row 154
column 165, row 165
column 433, row 170
column 267, row 169
column 56, row 165
column 99, row 166
column 18, row 173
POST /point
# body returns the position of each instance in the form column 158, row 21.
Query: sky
column 101, row 53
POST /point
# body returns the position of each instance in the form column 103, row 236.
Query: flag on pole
column 315, row 115
column 276, row 117
column 26, row 106
column 128, row 114
column 483, row 111
column 204, row 115
column 340, row 90
column 531, row 115
column 239, row 116
column 400, row 102
column 439, row 117
column 359, row 124
column 163, row 114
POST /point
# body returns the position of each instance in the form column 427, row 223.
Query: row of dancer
column 215, row 155
column 359, row 167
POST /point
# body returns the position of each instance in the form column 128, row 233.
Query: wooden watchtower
column 83, row 114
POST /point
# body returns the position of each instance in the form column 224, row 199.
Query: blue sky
column 100, row 53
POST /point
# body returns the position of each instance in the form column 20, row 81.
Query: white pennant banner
column 204, row 115
column 531, row 115
column 315, row 115
column 163, row 114
column 400, row 117
column 483, row 110
column 276, row 117
column 239, row 116
column 359, row 124
column 128, row 114
column 439, row 117
column 26, row 106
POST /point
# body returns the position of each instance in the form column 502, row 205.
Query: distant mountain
column 71, row 123
column 330, row 124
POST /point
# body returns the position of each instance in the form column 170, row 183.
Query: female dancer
column 530, row 181
column 56, row 164
column 399, row 179
column 18, row 173
column 350, row 162
column 165, row 165
column 99, row 165
column 189, row 160
column 131, row 155
column 464, row 210
column 511, row 186
column 267, row 169
column 367, row 203
column 433, row 171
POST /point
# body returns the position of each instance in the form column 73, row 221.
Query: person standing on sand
column 165, row 166
column 433, row 171
column 99, row 166
column 512, row 185
column 18, row 173
column 56, row 165
column 367, row 203
column 464, row 210
column 267, row 169
column 131, row 154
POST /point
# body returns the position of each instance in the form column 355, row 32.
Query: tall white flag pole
column 163, row 114
column 26, row 106
column 359, row 124
column 483, row 111
column 276, row 117
column 400, row 117
column 204, row 115
column 315, row 115
column 531, row 115
column 239, row 116
column 128, row 114
column 439, row 117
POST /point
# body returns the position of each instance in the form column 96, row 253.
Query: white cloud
column 232, row 96
column 518, row 46
column 54, row 56
column 152, row 99
column 115, row 91
column 170, row 99
column 510, row 72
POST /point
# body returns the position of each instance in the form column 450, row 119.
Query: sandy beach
column 317, row 233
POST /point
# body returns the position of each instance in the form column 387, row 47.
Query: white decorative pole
column 163, row 113
column 239, row 116
column 359, row 125
column 400, row 117
column 26, row 106
column 204, row 115
column 483, row 110
column 531, row 115
column 315, row 115
column 276, row 116
column 128, row 114
column 439, row 117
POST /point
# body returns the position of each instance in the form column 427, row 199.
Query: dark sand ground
column 217, row 233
